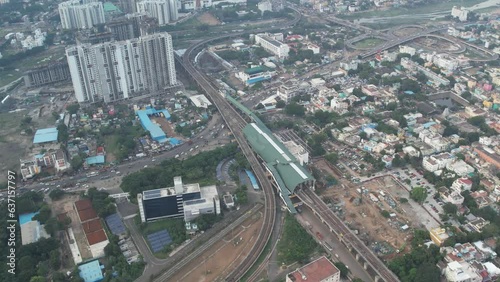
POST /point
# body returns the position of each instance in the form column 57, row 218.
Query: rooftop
column 92, row 225
column 45, row 135
column 154, row 129
column 96, row 237
column 315, row 271
column 169, row 191
column 83, row 205
column 285, row 168
column 95, row 160
column 91, row 271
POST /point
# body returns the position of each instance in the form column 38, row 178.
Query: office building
column 271, row 42
column 76, row 14
column 181, row 200
column 164, row 11
column 119, row 70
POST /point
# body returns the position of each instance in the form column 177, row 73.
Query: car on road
column 145, row 166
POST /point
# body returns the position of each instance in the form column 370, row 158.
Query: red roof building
column 83, row 205
column 319, row 270
column 92, row 225
column 96, row 237
column 87, row 215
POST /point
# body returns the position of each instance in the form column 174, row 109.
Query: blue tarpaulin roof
column 91, row 271
column 94, row 160
column 45, row 135
column 154, row 130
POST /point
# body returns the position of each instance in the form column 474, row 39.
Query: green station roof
column 286, row 169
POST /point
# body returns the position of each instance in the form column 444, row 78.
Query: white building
column 164, row 11
column 461, row 272
column 273, row 43
column 437, row 162
column 118, row 70
column 452, row 196
column 339, row 106
column 407, row 49
column 462, row 184
column 314, row 48
column 265, row 6
column 460, row 167
column 297, row 151
column 76, row 14
column 459, row 12
column 352, row 65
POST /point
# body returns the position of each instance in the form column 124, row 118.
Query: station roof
column 277, row 156
column 45, row 135
column 254, row 70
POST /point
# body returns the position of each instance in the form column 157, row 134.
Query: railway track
column 236, row 123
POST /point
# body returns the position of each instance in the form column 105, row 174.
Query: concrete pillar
column 365, row 266
column 357, row 257
column 377, row 278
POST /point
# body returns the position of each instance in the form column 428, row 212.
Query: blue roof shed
column 91, row 271
column 45, row 135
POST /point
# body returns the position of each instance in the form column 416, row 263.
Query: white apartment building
column 460, row 167
column 273, row 44
column 437, row 162
column 76, row 14
column 339, row 106
column 407, row 49
column 164, row 11
column 459, row 12
column 452, row 197
column 118, row 70
column 461, row 272
column 265, row 6
column 462, row 184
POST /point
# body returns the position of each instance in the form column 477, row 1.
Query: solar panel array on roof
column 152, row 194
column 159, row 240
column 194, row 202
column 115, row 224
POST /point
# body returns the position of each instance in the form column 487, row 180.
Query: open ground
column 208, row 19
column 66, row 205
column 224, row 256
column 361, row 213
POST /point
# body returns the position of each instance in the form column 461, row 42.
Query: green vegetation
column 419, row 265
column 231, row 55
column 385, row 213
column 174, row 226
column 206, row 221
column 102, row 204
column 199, row 168
column 296, row 245
column 120, row 141
column 294, row 109
column 117, row 262
column 368, row 43
column 241, row 195
column 418, row 194
column 332, row 158
column 344, row 271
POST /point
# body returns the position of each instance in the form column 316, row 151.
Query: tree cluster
column 296, row 245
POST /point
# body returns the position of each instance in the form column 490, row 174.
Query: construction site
column 371, row 209
column 225, row 255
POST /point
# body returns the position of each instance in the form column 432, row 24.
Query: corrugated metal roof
column 96, row 237
column 95, row 160
column 276, row 155
column 45, row 135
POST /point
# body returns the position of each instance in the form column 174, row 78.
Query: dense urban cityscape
column 250, row 140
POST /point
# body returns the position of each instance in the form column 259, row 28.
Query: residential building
column 481, row 198
column 462, row 184
column 319, row 270
column 181, row 200
column 164, row 11
column 461, row 272
column 47, row 74
column 438, row 235
column 60, row 161
column 476, row 224
column 127, row 27
column 119, row 70
column 460, row 167
column 29, row 168
column 264, row 6
column 288, row 90
column 339, row 106
column 273, row 43
column 453, row 196
column 460, row 12
column 253, row 75
column 437, row 162
column 407, row 50
column 76, row 14
column 488, row 155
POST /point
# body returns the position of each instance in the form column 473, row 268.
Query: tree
column 418, row 194
column 73, row 108
column 280, row 104
column 294, row 109
column 385, row 213
column 55, row 115
column 56, row 194
column 295, row 244
column 476, row 121
column 76, row 162
column 58, row 277
column 450, row 208
column 55, row 259
column 428, row 272
column 403, row 200
column 332, row 158
column 344, row 271
column 38, row 279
